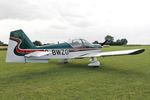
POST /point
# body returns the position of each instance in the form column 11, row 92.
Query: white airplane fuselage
column 53, row 53
column 21, row 49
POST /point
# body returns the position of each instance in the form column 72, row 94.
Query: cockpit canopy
column 80, row 43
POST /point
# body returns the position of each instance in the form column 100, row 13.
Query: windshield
column 86, row 44
column 80, row 43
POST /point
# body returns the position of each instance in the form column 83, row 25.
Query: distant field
column 118, row 78
column 3, row 47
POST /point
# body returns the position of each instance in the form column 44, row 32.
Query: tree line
column 110, row 41
column 36, row 43
column 3, row 44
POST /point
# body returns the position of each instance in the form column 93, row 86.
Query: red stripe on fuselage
column 24, row 50
column 32, row 50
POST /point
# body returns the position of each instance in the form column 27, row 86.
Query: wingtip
column 138, row 51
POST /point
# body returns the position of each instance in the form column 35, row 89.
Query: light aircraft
column 21, row 49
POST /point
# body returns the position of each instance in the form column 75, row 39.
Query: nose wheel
column 94, row 62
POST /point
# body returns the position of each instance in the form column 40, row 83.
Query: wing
column 37, row 54
column 116, row 53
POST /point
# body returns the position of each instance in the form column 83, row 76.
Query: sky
column 60, row 20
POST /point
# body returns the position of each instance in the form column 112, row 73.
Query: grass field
column 118, row 78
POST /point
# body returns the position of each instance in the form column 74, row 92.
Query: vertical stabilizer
column 19, row 45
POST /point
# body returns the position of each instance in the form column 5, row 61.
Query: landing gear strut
column 65, row 61
column 94, row 62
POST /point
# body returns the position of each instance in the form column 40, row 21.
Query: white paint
column 11, row 57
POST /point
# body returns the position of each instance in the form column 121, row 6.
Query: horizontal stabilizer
column 37, row 54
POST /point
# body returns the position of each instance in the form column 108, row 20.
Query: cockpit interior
column 80, row 43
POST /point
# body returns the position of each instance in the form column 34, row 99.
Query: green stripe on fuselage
column 56, row 46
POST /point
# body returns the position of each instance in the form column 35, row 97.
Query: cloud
column 17, row 9
column 62, row 19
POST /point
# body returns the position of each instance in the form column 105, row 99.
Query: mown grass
column 118, row 78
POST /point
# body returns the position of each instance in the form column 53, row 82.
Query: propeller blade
column 104, row 42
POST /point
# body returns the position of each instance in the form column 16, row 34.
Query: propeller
column 104, row 42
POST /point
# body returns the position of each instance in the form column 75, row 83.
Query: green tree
column 1, row 43
column 95, row 42
column 109, row 39
column 124, row 41
column 37, row 43
column 118, row 42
